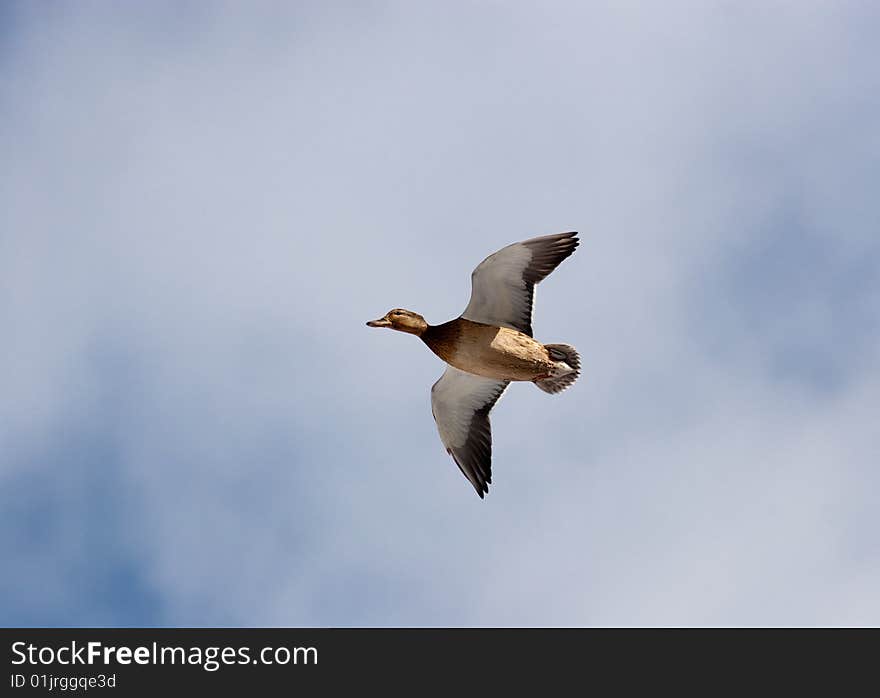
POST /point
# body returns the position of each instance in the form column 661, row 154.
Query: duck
column 489, row 346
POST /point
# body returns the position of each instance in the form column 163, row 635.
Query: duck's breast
column 487, row 350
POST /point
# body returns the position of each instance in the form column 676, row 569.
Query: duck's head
column 401, row 320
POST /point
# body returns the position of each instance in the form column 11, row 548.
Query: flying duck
column 489, row 346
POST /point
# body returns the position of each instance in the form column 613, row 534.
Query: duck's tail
column 568, row 368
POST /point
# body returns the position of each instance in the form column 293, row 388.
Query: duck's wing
column 503, row 285
column 461, row 403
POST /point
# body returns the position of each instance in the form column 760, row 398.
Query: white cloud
column 201, row 219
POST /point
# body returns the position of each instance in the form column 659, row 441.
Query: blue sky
column 202, row 205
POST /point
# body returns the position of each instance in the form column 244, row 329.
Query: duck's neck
column 442, row 339
column 417, row 328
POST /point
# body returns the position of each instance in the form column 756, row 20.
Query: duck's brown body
column 488, row 350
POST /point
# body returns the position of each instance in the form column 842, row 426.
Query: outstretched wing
column 503, row 285
column 461, row 403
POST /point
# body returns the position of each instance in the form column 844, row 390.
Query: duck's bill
column 381, row 322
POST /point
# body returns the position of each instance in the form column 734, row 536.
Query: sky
column 202, row 203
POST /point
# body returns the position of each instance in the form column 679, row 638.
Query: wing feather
column 503, row 284
column 460, row 403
